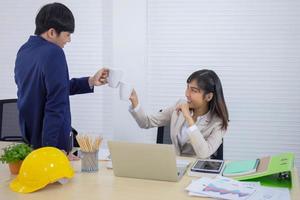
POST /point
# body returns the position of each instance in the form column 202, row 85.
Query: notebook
column 146, row 161
column 241, row 167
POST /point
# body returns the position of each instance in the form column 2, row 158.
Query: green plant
column 15, row 152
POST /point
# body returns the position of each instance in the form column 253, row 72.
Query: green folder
column 273, row 171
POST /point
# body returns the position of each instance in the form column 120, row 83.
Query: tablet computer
column 208, row 166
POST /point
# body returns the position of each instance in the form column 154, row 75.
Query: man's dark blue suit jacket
column 42, row 78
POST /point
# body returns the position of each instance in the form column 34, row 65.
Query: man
column 42, row 78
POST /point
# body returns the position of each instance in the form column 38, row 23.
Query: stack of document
column 226, row 188
column 222, row 188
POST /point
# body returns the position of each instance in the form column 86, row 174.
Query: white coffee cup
column 114, row 77
column 125, row 91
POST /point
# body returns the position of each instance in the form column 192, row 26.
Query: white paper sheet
column 223, row 188
column 271, row 193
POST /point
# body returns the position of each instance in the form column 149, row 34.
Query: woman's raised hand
column 134, row 99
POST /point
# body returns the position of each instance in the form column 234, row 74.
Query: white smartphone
column 208, row 166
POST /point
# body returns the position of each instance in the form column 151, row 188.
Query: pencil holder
column 89, row 161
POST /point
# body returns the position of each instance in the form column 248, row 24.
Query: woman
column 198, row 124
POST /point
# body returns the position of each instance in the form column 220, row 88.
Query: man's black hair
column 56, row 16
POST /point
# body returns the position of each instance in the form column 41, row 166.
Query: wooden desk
column 104, row 185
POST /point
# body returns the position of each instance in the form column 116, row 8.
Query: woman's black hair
column 56, row 16
column 209, row 82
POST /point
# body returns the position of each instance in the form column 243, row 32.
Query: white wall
column 14, row 31
column 129, row 54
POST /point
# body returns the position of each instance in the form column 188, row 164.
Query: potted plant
column 14, row 156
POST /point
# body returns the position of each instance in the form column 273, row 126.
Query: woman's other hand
column 185, row 109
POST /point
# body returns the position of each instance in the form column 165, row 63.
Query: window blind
column 254, row 48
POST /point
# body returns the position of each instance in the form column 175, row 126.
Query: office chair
column 163, row 137
column 219, row 153
column 9, row 121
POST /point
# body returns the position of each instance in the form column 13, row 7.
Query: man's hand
column 100, row 78
column 70, row 156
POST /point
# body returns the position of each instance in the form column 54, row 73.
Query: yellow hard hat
column 41, row 167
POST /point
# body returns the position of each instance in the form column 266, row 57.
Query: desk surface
column 104, row 185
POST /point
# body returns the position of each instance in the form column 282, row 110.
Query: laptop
column 146, row 161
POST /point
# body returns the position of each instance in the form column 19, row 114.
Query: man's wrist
column 91, row 81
